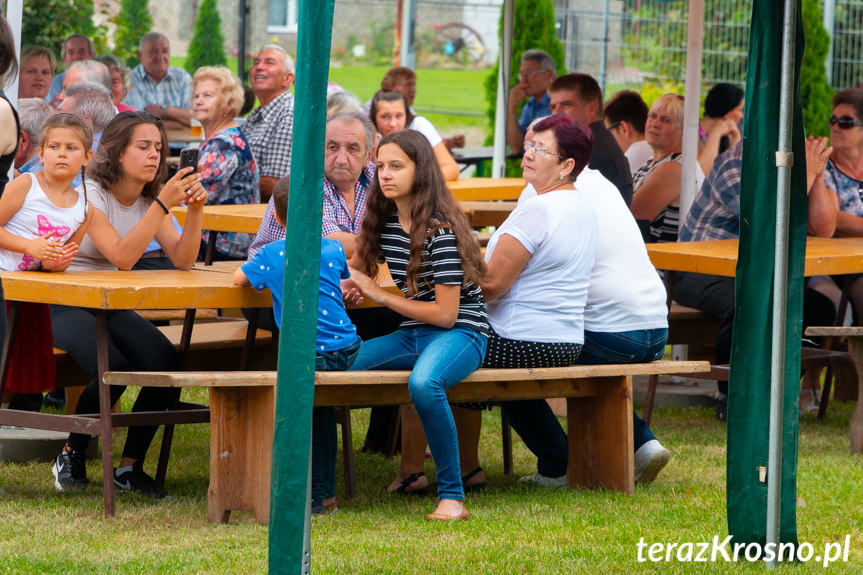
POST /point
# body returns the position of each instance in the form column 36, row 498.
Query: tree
column 207, row 47
column 534, row 29
column 48, row 22
column 815, row 92
column 133, row 21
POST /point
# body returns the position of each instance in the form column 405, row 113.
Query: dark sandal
column 402, row 489
column 474, row 487
column 467, row 488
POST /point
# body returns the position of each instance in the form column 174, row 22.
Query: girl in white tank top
column 43, row 221
column 42, row 217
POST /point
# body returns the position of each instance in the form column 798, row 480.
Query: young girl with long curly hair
column 414, row 224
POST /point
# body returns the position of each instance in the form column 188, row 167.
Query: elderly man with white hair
column 85, row 71
column 31, row 114
column 157, row 87
column 269, row 127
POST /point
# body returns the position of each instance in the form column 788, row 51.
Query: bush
column 815, row 92
column 133, row 21
column 534, row 29
column 207, row 47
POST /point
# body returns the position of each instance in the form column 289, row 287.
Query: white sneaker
column 649, row 461
column 540, row 479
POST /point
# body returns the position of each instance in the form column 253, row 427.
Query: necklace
column 68, row 192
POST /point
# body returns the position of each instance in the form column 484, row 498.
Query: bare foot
column 330, row 504
column 409, row 483
column 449, row 510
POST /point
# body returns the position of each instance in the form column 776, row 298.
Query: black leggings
column 134, row 344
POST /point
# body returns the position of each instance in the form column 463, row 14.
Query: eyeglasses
column 528, row 74
column 613, row 126
column 539, row 150
column 845, row 122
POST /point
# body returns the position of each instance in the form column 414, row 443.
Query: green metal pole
column 295, row 389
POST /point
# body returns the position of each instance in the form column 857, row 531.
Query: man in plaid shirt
column 269, row 127
column 159, row 88
column 715, row 215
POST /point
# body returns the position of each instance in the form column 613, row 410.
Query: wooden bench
column 215, row 345
column 242, row 405
column 177, row 315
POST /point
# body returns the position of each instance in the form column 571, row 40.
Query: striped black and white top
column 665, row 226
column 441, row 264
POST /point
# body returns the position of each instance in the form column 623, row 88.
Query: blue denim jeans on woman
column 536, row 424
column 324, row 440
column 439, row 358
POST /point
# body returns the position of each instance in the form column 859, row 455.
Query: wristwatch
column 164, row 111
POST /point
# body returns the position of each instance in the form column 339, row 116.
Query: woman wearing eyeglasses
column 844, row 173
column 656, row 184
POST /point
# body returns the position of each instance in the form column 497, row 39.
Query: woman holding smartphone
column 131, row 207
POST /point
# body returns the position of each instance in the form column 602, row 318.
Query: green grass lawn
column 513, row 528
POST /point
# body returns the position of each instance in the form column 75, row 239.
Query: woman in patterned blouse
column 228, row 171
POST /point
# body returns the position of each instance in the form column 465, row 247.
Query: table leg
column 249, row 343
column 855, row 348
column 211, row 249
column 105, row 411
column 600, row 437
column 168, row 431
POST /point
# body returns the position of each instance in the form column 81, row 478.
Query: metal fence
column 847, row 66
column 646, row 41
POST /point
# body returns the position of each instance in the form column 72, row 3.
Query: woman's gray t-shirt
column 122, row 218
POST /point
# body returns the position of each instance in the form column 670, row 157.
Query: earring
column 561, row 176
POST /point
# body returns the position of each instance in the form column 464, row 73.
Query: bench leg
column 855, row 348
column 241, row 443
column 600, row 437
column 506, row 439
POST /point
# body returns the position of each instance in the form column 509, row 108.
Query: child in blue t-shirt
column 337, row 342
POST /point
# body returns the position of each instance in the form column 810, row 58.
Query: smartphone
column 189, row 158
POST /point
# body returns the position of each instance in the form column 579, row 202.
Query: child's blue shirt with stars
column 267, row 268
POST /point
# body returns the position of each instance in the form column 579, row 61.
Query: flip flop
column 402, row 489
column 474, row 487
column 465, row 478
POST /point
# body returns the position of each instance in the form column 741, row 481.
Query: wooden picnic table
column 113, row 290
column 483, row 189
column 487, row 213
column 824, row 256
column 183, row 137
column 241, row 218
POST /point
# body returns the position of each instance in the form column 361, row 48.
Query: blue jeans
column 439, row 358
column 324, row 443
column 536, row 424
column 637, row 346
